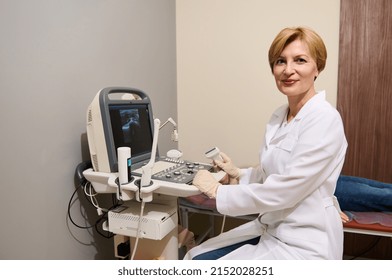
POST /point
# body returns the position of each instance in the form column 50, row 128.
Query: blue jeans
column 363, row 195
column 218, row 253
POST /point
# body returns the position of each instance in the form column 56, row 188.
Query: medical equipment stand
column 159, row 239
column 162, row 192
column 156, row 192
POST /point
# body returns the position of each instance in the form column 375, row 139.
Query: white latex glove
column 228, row 166
column 206, row 183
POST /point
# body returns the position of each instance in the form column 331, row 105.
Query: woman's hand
column 344, row 217
column 228, row 166
column 206, row 183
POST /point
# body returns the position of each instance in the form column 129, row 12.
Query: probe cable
column 223, row 223
column 367, row 250
column 138, row 229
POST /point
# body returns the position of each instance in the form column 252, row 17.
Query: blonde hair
column 309, row 37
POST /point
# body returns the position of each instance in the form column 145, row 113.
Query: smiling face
column 295, row 70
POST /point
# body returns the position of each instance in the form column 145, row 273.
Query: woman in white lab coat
column 292, row 190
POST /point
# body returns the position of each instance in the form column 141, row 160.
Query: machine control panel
column 175, row 171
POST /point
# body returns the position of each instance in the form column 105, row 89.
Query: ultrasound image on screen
column 131, row 127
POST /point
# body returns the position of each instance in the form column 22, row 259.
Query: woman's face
column 295, row 70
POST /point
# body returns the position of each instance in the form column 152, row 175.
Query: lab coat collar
column 281, row 113
column 274, row 123
column 319, row 97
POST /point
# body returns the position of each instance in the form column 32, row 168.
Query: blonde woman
column 292, row 190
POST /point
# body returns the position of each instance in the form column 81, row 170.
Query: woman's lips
column 289, row 82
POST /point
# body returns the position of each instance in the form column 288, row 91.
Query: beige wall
column 225, row 89
column 55, row 56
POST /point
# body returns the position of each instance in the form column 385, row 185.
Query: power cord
column 91, row 194
column 92, row 200
column 69, row 211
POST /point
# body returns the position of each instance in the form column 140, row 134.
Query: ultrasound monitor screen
column 131, row 127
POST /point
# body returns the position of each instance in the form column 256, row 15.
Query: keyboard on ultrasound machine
column 175, row 171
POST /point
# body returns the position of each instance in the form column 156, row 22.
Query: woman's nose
column 289, row 69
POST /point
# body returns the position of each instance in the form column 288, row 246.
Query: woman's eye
column 301, row 60
column 280, row 61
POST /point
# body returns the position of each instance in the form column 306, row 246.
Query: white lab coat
column 292, row 190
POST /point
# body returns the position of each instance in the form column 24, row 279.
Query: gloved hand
column 228, row 166
column 206, row 183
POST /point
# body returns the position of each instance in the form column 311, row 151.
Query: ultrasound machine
column 122, row 137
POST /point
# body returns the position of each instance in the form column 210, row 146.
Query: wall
column 226, row 92
column 55, row 56
column 366, row 60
